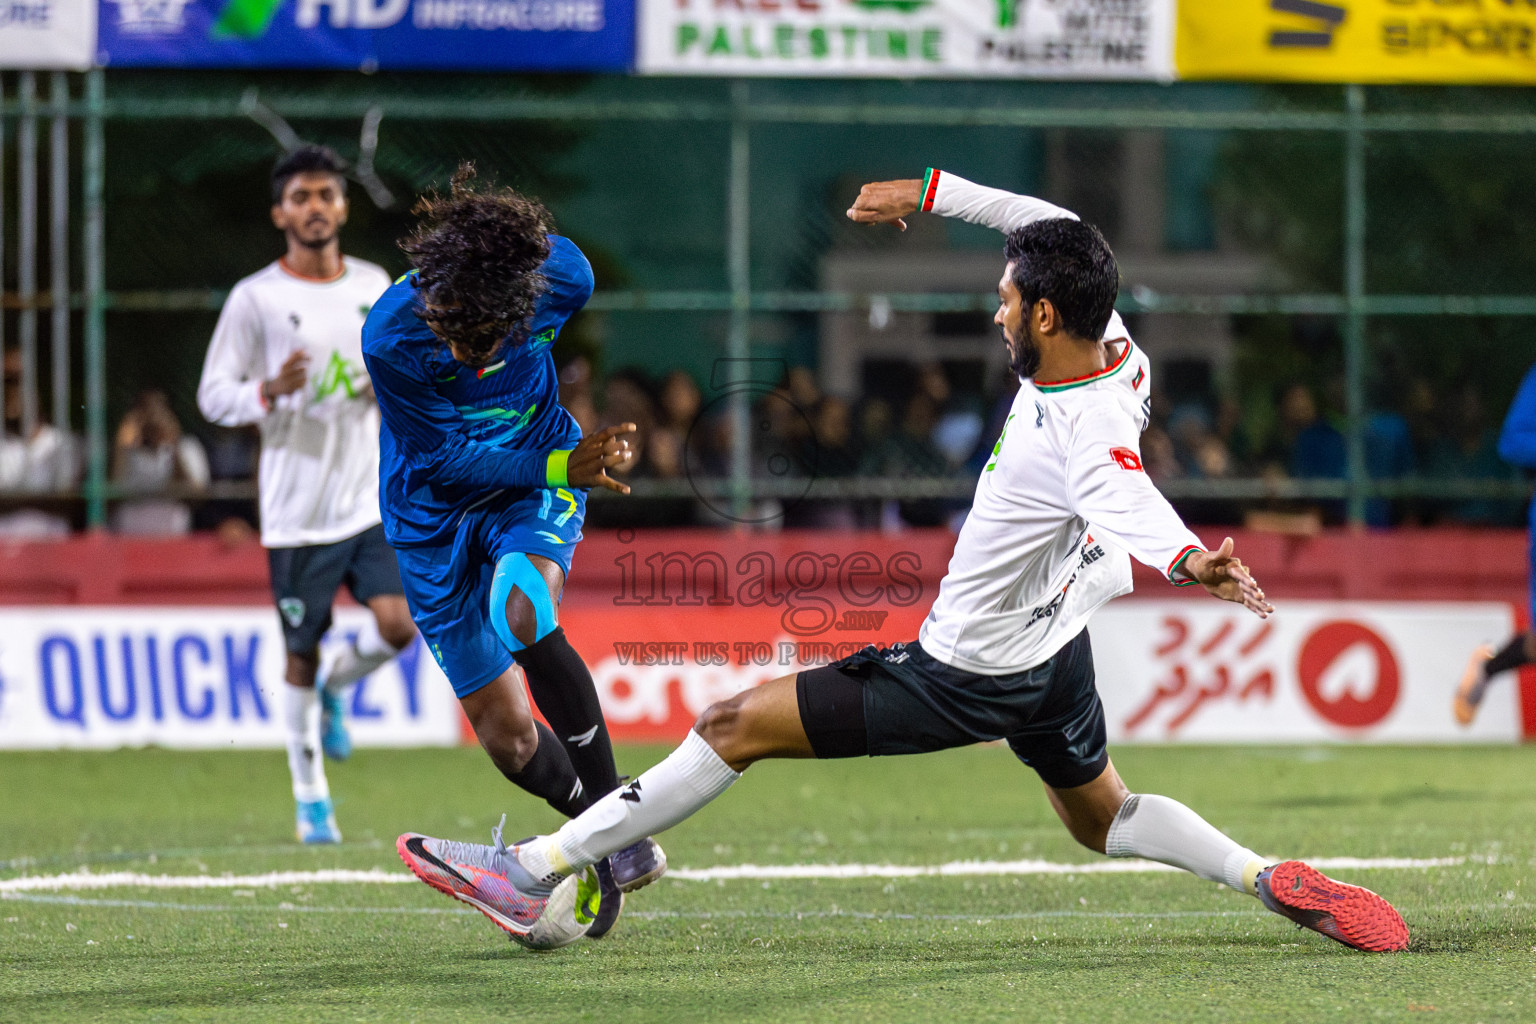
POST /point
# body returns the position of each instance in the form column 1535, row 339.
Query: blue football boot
column 334, row 738
column 638, row 864
column 316, row 821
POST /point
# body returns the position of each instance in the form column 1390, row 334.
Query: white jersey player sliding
column 1060, row 508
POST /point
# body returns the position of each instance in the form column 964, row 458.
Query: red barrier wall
column 1484, row 565
column 843, row 588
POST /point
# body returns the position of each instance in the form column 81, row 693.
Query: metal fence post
column 1354, row 296
column 93, row 174
column 26, row 248
column 739, row 273
column 58, row 246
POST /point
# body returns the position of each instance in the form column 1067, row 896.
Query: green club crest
column 292, row 609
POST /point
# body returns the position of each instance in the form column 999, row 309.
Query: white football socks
column 356, row 660
column 690, row 777
column 301, row 717
column 1164, row 830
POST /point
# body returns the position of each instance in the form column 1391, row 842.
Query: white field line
column 774, row 872
column 77, row 880
column 82, row 880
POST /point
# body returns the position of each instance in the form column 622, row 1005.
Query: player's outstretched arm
column 1224, row 576
column 591, row 459
column 949, row 195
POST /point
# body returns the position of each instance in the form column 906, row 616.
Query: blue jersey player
column 483, row 479
column 1517, row 446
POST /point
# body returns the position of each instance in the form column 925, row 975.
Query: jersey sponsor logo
column 1051, row 607
column 1127, row 459
column 998, row 448
column 337, row 376
column 497, row 424
column 292, row 609
column 1091, row 553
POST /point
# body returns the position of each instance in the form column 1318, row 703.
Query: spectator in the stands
column 1468, row 449
column 628, row 398
column 153, row 458
column 830, row 453
column 908, row 451
column 1389, row 455
column 576, row 393
column 35, row 463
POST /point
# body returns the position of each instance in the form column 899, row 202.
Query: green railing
column 741, row 112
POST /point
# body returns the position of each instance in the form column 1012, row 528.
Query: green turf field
column 1135, row 947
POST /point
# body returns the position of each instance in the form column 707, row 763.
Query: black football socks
column 563, row 690
column 550, row 776
column 1512, row 656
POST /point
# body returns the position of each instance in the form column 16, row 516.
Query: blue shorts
column 449, row 587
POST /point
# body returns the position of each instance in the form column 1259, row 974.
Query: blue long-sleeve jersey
column 453, row 436
column 1517, row 441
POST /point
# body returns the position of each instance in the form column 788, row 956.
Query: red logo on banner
column 1229, row 663
column 1127, row 459
column 1358, row 702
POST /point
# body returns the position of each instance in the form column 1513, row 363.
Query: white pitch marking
column 772, row 872
column 79, row 880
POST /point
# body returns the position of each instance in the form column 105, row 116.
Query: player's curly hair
column 1068, row 262
column 477, row 252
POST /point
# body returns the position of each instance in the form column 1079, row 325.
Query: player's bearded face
column 1012, row 320
column 313, row 209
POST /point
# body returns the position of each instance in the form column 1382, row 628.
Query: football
column 570, row 910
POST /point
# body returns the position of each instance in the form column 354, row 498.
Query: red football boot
column 1357, row 917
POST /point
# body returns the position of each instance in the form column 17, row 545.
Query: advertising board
column 522, row 35
column 1360, row 41
column 48, row 35
column 1168, row 670
column 1096, row 39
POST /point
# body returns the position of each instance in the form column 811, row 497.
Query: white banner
column 1378, row 672
column 1094, row 39
column 1168, row 671
column 190, row 677
column 41, row 34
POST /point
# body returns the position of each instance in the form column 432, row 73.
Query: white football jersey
column 1063, row 501
column 319, row 477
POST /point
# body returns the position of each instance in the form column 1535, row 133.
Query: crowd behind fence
column 900, row 450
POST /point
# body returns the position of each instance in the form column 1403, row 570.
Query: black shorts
column 901, row 700
column 304, row 582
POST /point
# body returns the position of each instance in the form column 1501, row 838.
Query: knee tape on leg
column 516, row 572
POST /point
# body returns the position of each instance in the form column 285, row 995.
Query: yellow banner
column 1365, row 41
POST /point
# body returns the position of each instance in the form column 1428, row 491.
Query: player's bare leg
column 390, row 632
column 1483, row 666
column 1106, row 817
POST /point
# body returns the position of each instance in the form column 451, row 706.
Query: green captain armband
column 555, row 469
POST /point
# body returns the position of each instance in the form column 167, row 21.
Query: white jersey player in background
column 287, row 355
column 1061, row 506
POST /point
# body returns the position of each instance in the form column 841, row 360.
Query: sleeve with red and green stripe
column 1108, row 488
column 950, row 195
